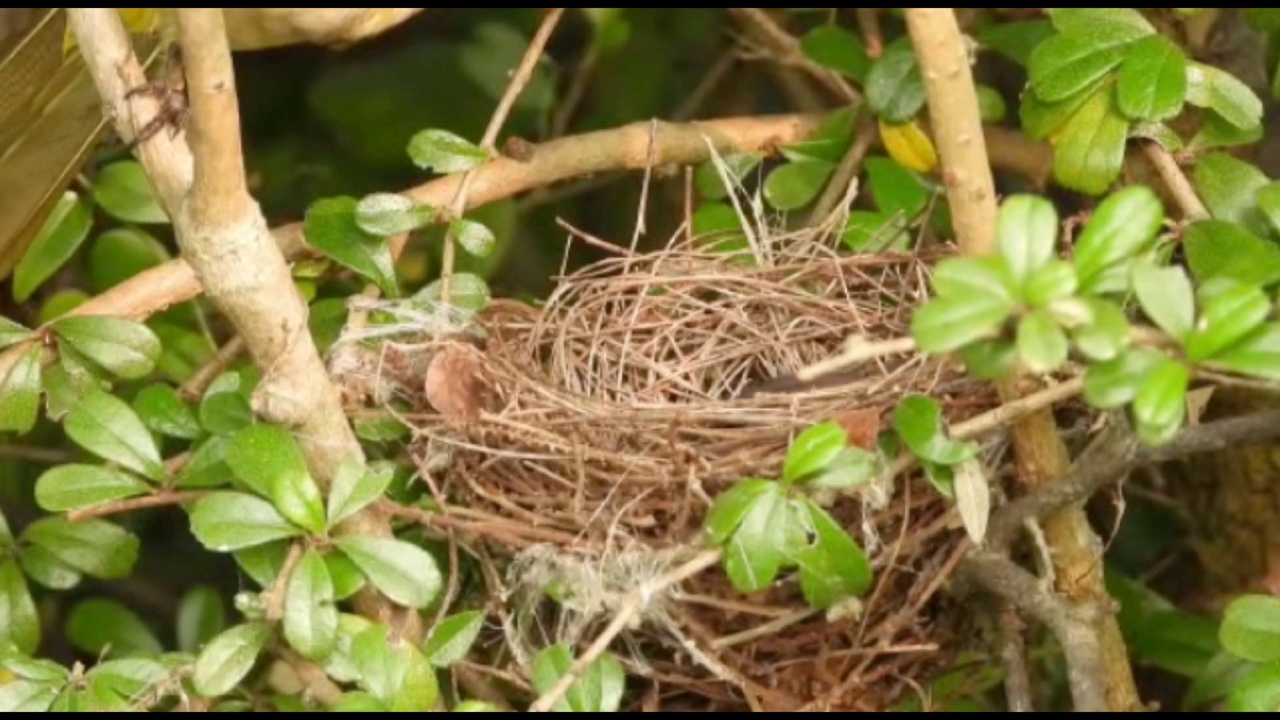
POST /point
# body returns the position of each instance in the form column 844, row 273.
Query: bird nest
column 585, row 440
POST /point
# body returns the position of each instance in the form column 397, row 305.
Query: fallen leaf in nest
column 455, row 384
column 862, row 427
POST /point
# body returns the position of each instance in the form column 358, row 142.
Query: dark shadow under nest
column 614, row 415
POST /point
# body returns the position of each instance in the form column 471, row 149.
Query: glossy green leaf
column 832, row 568
column 444, row 152
column 1227, row 318
column 470, row 293
column 991, row 105
column 1042, row 344
column 1160, row 406
column 311, row 615
column 206, row 468
column 1222, row 92
column 1268, row 197
column 1167, row 298
column 47, row 570
column 75, row 487
column 95, row 547
column 403, row 572
column 1053, row 282
column 1152, row 84
column 829, row 142
column 1257, row 354
column 732, row 506
column 894, row 87
column 123, row 190
column 1251, row 628
column 1070, row 62
column 834, row 47
column 873, row 232
column 918, row 421
column 63, row 232
column 1026, row 234
column 19, row 622
column 987, row 360
column 421, row 690
column 126, row 677
column 1085, row 19
column 796, row 184
column 382, row 666
column 125, row 348
column 390, row 214
column 163, row 411
column 25, row 696
column 224, row 409
column 11, row 333
column 355, row 486
column 451, row 640
column 229, row 658
column 1041, row 120
column 1090, row 151
column 598, row 690
column 331, row 228
column 474, row 237
column 1219, row 249
column 948, row 324
column 1258, row 692
column 106, row 628
column 35, row 669
column 359, row 702
column 107, row 427
column 121, row 253
column 709, row 182
column 814, row 450
column 263, row 563
column 1228, row 187
column 965, row 278
column 757, row 551
column 852, row 468
column 20, row 392
column 201, row 616
column 346, row 576
column 268, row 461
column 1107, row 333
column 895, row 188
column 1218, row 133
column 1015, row 40
column 227, row 522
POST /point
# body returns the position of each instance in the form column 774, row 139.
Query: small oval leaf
column 229, row 658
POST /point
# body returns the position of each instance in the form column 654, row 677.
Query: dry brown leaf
column 862, row 427
column 455, row 384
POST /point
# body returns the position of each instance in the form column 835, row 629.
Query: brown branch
column 164, row 498
column 198, row 384
column 273, row 604
column 1040, row 453
column 786, row 49
column 1013, row 653
column 1180, row 187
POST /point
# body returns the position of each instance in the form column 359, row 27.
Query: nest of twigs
column 589, row 437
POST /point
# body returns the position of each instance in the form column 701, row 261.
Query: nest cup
column 617, row 412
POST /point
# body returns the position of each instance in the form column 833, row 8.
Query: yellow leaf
column 909, row 146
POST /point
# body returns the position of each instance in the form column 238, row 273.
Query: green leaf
column 834, row 47
column 347, row 578
column 991, row 105
column 1110, row 385
column 11, row 333
column 420, row 691
column 206, row 468
column 1152, row 84
column 710, row 184
column 474, row 237
column 1227, row 318
column 1107, row 334
column 63, row 233
column 1053, row 282
column 470, row 294
column 382, row 667
column 757, row 551
column 121, row 253
column 1259, row 691
column 451, row 640
column 268, row 461
column 475, row 706
column 1218, row 133
column 1167, row 298
column 948, row 324
column 311, row 615
column 1229, row 187
column 1220, row 249
column 1268, row 197
column 796, row 184
column 895, row 188
column 47, row 570
column 1042, row 344
column 870, row 232
column 163, row 411
column 355, row 486
column 1090, row 151
column 832, row 568
column 894, row 87
column 964, row 279
column 1015, row 40
column 445, row 152
column 96, row 547
column 229, row 658
column 107, row 427
column 1027, row 235
column 732, row 506
column 24, row 696
column 1220, row 91
column 390, row 214
column 263, row 563
column 360, row 703
column 852, row 468
column 1160, row 406
column 1178, row 642
column 990, row 360
column 1071, row 62
column 123, row 190
column 331, row 227
column 107, row 628
column 598, row 690
column 19, row 622
column 1257, row 355
column 1123, row 226
column 20, row 392
column 813, row 451
column 227, row 522
column 829, row 142
column 127, row 677
column 1251, row 628
column 918, row 421
column 405, row 573
column 37, row 670
column 125, row 348
column 201, row 616
column 224, row 409
column 1125, row 20
column 75, row 487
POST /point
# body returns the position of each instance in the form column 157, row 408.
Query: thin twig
column 864, row 137
column 1184, row 193
column 635, row 603
column 273, row 603
column 786, row 50
column 857, row 349
column 196, row 386
column 869, row 24
column 1013, row 653
column 122, row 507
